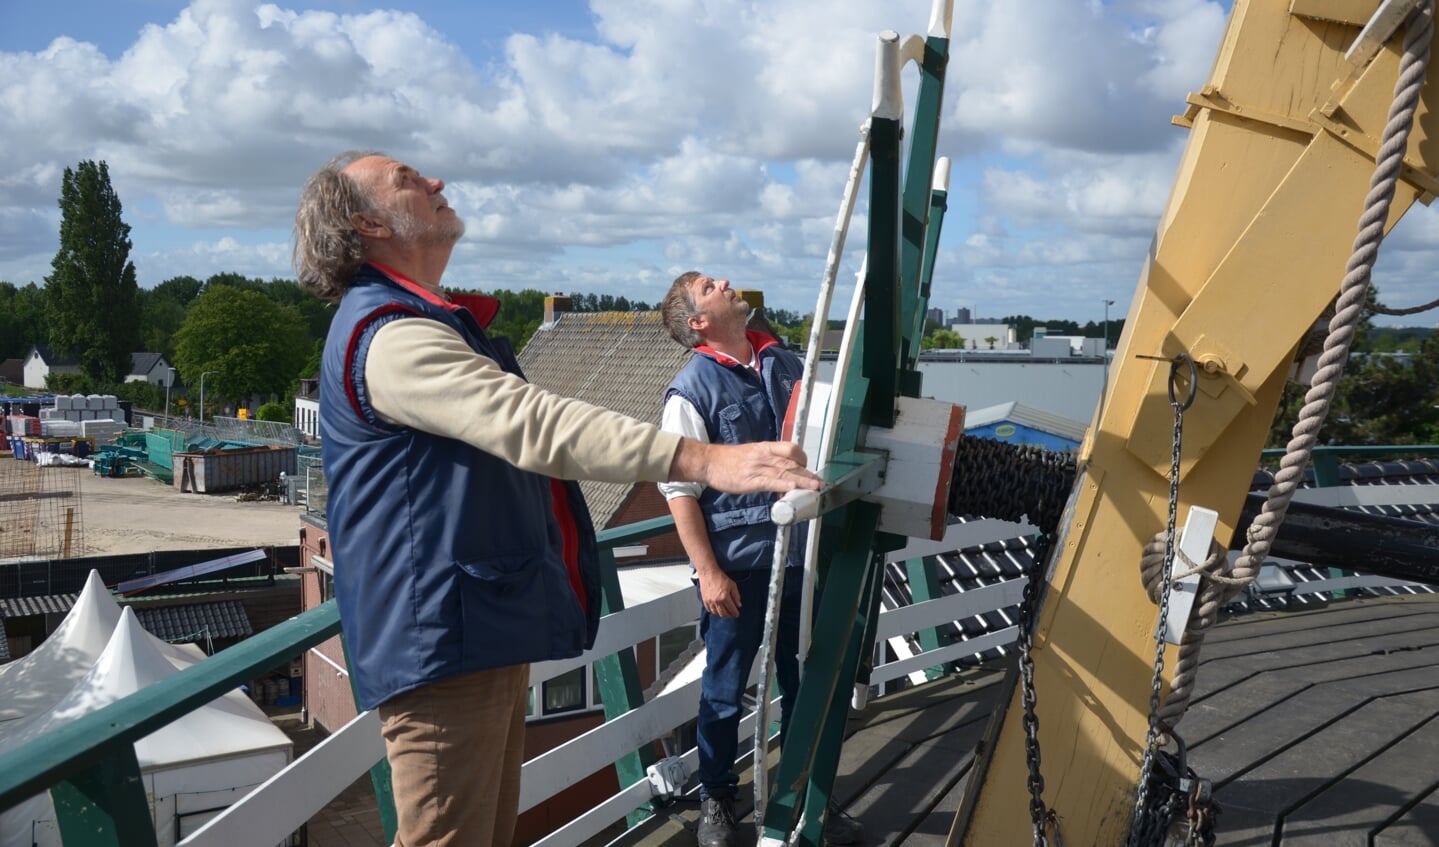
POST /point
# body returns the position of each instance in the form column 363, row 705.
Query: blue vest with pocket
column 448, row 560
column 739, row 406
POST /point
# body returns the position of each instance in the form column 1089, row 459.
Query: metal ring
column 1193, row 381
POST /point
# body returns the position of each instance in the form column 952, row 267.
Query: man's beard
column 409, row 229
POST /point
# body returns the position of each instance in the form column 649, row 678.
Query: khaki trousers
column 455, row 749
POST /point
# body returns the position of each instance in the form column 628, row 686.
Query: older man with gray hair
column 463, row 548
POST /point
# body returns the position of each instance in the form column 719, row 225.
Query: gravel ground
column 138, row 514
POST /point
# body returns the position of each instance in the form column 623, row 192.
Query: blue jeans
column 731, row 645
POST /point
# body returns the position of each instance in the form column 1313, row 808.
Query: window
column 673, row 643
column 565, row 693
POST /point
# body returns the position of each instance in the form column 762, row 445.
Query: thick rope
column 1352, row 293
column 1216, row 590
column 1412, row 310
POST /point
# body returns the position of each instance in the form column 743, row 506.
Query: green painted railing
column 90, row 764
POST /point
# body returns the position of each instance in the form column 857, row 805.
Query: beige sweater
column 421, row 374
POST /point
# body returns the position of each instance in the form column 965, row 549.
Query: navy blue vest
column 739, row 406
column 448, row 560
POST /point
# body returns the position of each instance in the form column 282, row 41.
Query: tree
column 180, row 289
column 254, row 345
column 783, row 317
column 942, row 339
column 93, row 301
column 1381, row 399
column 22, row 319
column 519, row 315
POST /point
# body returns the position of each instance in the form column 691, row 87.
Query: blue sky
column 605, row 146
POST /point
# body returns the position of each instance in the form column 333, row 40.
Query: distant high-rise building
column 962, row 316
column 935, row 315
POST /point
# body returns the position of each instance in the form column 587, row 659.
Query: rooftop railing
column 90, row 766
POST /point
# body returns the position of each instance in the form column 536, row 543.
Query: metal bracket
column 667, row 777
column 848, row 477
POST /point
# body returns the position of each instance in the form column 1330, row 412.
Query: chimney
column 757, row 319
column 555, row 305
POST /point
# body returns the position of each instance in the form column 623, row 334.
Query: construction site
column 126, row 497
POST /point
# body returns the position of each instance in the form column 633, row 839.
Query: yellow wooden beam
column 1251, row 247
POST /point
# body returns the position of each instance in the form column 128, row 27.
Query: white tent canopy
column 192, row 768
column 33, row 683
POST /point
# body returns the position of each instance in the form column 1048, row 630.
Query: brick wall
column 643, row 503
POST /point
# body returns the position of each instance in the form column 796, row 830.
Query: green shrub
column 273, row 412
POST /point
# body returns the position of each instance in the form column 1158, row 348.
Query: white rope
column 1216, row 590
column 820, row 322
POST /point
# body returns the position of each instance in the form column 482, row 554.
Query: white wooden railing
column 279, row 806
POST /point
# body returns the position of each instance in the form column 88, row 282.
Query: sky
column 606, row 146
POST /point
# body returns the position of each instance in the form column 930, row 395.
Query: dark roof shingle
column 190, row 622
column 622, row 361
column 45, row 604
column 142, row 363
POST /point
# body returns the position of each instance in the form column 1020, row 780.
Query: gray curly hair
column 327, row 249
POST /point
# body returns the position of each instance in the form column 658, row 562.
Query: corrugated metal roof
column 622, row 361
column 45, row 604
column 1028, row 416
column 190, row 622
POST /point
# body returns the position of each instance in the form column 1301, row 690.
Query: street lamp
column 1105, row 389
column 202, row 393
column 1107, row 304
column 169, row 382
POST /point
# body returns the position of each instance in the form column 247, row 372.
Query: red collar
column 483, row 308
column 757, row 340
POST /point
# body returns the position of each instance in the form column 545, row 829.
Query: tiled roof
column 190, row 622
column 141, row 363
column 45, row 604
column 1362, row 474
column 54, row 359
column 1001, row 561
column 622, row 361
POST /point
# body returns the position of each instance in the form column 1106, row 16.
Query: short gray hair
column 678, row 307
column 327, row 249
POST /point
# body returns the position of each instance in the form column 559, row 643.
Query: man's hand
column 743, row 468
column 719, row 594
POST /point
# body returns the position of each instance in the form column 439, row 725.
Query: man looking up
column 734, row 390
column 460, row 556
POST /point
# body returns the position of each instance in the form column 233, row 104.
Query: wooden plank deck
column 1317, row 727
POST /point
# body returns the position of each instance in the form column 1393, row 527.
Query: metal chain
column 1015, row 482
column 1151, row 737
column 1038, row 814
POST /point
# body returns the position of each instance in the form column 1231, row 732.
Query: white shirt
column 682, row 418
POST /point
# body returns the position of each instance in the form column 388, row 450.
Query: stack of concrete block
column 102, row 431
column 84, row 407
column 59, row 428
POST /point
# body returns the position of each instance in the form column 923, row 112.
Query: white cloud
column 617, row 150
